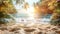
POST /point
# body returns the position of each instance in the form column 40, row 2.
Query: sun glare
column 30, row 9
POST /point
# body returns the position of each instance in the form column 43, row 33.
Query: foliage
column 6, row 7
column 56, row 16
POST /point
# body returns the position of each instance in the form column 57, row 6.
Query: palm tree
column 56, row 16
column 5, row 9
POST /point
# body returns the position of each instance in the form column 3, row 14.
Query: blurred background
column 41, row 11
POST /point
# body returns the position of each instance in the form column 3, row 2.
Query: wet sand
column 30, row 29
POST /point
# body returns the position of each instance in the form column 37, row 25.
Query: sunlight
column 30, row 9
column 30, row 12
